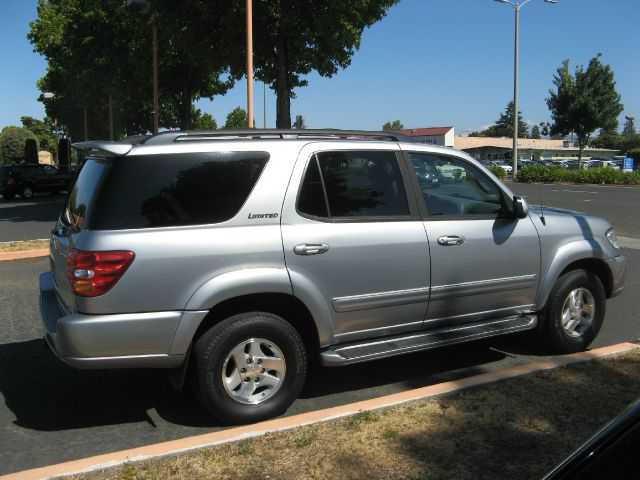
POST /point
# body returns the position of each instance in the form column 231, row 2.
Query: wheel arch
column 574, row 258
column 287, row 306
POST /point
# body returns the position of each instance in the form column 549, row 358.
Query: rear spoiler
column 103, row 149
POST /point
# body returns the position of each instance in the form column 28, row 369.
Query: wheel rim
column 578, row 311
column 27, row 192
column 253, row 371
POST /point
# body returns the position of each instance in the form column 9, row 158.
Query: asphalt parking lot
column 51, row 413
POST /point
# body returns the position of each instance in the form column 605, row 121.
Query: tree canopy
column 504, row 125
column 13, row 143
column 237, row 118
column 97, row 49
column 101, row 50
column 392, row 126
column 296, row 37
column 585, row 101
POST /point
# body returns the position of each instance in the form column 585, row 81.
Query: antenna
column 542, row 219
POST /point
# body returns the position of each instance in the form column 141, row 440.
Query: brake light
column 10, row 181
column 92, row 274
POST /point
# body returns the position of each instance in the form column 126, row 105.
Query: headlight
column 613, row 238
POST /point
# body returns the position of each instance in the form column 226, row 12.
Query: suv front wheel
column 574, row 312
column 249, row 367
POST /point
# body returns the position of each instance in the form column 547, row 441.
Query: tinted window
column 4, row 172
column 451, row 186
column 312, row 200
column 357, row 184
column 82, row 195
column 176, row 189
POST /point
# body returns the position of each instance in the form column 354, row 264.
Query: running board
column 356, row 352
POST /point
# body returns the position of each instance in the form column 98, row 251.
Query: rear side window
column 80, row 203
column 4, row 173
column 176, row 189
column 350, row 184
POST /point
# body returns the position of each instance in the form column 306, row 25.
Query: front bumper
column 618, row 268
column 108, row 341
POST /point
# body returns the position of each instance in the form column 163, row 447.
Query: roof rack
column 257, row 133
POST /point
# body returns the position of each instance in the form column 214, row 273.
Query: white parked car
column 503, row 165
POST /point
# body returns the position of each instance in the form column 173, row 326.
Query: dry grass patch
column 513, row 429
column 25, row 245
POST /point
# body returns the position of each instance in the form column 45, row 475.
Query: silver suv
column 234, row 257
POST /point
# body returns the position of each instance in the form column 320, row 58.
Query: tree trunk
column 283, row 90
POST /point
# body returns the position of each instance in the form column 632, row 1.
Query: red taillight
column 92, row 274
column 10, row 181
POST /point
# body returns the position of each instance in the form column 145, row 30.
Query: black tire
column 8, row 196
column 565, row 340
column 214, row 347
column 27, row 192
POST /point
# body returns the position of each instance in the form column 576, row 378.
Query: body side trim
column 381, row 299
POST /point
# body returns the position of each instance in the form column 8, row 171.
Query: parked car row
column 26, row 180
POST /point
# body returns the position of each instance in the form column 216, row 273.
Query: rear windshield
column 166, row 190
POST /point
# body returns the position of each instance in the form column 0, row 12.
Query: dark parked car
column 26, row 180
column 611, row 453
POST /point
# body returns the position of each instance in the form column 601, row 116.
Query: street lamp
column 517, row 7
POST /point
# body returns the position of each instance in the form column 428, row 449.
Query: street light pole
column 250, row 63
column 516, row 116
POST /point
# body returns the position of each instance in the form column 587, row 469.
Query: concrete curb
column 234, row 434
column 24, row 254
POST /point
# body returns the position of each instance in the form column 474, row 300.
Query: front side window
column 451, row 186
column 348, row 184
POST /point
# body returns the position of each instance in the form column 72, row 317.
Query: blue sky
column 427, row 63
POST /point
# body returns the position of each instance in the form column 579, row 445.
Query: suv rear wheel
column 574, row 312
column 249, row 367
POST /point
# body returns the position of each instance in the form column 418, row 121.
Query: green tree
column 504, row 125
column 237, row 118
column 392, row 126
column 535, row 132
column 13, row 143
column 47, row 132
column 584, row 102
column 204, row 122
column 629, row 125
column 607, row 138
column 296, row 37
column 100, row 49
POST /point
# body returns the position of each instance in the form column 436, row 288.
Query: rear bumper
column 109, row 341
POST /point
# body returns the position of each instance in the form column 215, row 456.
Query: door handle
column 310, row 248
column 448, row 240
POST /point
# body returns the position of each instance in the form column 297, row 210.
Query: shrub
column 13, row 143
column 498, row 172
column 603, row 176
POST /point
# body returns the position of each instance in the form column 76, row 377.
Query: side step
column 356, row 352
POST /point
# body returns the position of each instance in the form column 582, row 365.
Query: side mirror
column 520, row 207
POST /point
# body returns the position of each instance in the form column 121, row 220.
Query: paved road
column 50, row 413
column 29, row 219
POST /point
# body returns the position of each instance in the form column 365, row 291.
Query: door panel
column 484, row 262
column 349, row 228
column 493, row 273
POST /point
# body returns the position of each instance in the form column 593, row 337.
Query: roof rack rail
column 262, row 133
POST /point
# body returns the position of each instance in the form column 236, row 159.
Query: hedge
column 601, row 176
column 13, row 142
